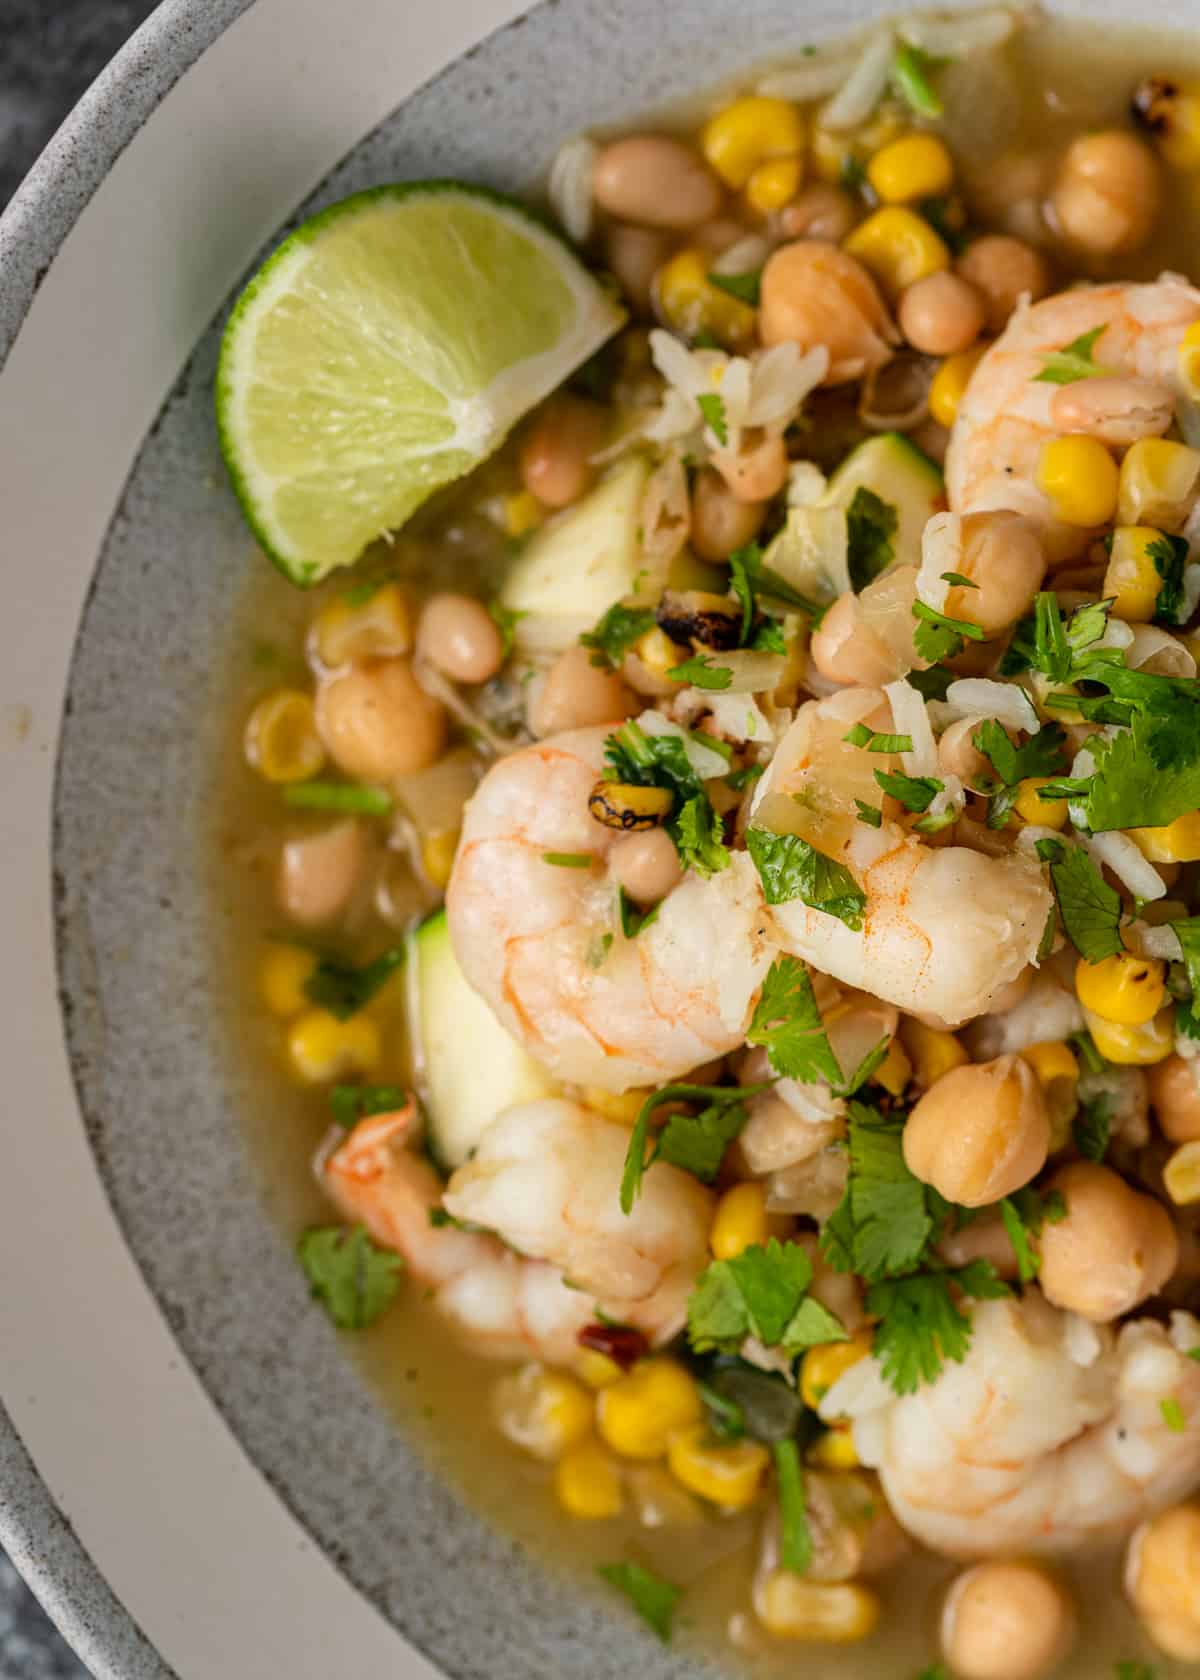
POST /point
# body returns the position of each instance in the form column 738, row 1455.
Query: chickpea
column 759, row 469
column 1007, row 1621
column 377, row 722
column 319, row 872
column 721, row 521
column 984, row 1238
column 647, row 865
column 556, row 456
column 1108, row 193
column 656, row 181
column 460, row 637
column 1175, row 1094
column 846, row 650
column 1001, row 554
column 1003, row 268
column 1112, row 1250
column 959, row 756
column 576, row 693
column 980, row 1131
column 635, row 256
column 1162, row 1578
column 942, row 314
column 814, row 293
column 820, row 212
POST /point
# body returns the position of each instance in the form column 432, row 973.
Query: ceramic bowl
column 196, row 1480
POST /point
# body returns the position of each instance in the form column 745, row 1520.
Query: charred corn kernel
column 1158, row 483
column 638, row 1415
column 353, row 627
column 823, row 1365
column 826, row 1612
column 437, row 856
column 728, row 1473
column 834, row 1450
column 1189, row 360
column 281, row 740
column 774, row 184
column 321, row 1047
column 750, row 132
column 917, row 166
column 522, row 513
column 950, row 383
column 1181, row 1175
column 626, row 806
column 739, row 1222
column 1124, row 989
column 1169, row 111
column 1029, row 804
column 1078, row 477
column 587, row 1482
column 1178, row 842
column 931, row 1051
column 1132, row 579
column 282, row 976
column 543, row 1412
column 1133, row 1046
column 622, row 1107
column 895, row 1070
column 1051, row 1061
column 657, row 652
column 690, row 304
column 899, row 247
column 597, row 1370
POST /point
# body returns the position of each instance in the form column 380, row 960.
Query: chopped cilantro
column 788, row 1024
column 853, row 174
column 761, row 1292
column 945, row 218
column 938, row 637
column 915, row 793
column 653, row 1598
column 506, row 620
column 959, row 581
column 921, row 1325
column 749, row 577
column 353, row 799
column 1042, row 755
column 871, row 525
column 712, row 408
column 910, row 78
column 1074, row 361
column 1085, row 1049
column 351, row 1103
column 739, row 779
column 1170, row 557
column 616, row 633
column 569, row 860
column 933, row 684
column 883, row 1222
column 1092, row 1127
column 789, row 868
column 701, row 672
column 696, row 1143
column 633, row 920
column 1089, row 907
column 343, row 990
column 726, row 1418
column 1187, row 931
column 699, row 837
column 795, row 1536
column 354, row 1279
column 661, row 761
column 1172, row 1413
column 869, row 814
column 1024, row 1213
column 744, row 287
column 870, row 741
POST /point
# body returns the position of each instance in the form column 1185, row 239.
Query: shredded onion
column 1145, row 940
column 736, row 716
column 984, row 697
column 941, row 551
column 864, row 87
column 441, row 688
column 569, row 188
column 1081, row 1341
column 1122, row 856
column 910, row 718
column 814, row 78
column 743, row 256
column 806, row 484
column 955, row 37
column 1152, row 649
column 812, row 552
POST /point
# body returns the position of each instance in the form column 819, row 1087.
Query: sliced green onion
column 339, row 796
column 569, row 860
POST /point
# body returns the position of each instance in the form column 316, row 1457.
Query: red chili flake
column 621, row 1344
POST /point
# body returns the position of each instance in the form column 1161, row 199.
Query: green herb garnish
column 352, row 1103
column 1089, row 907
column 761, row 1292
column 789, row 868
column 1074, row 361
column 343, row 989
column 616, row 633
column 354, row 800
column 744, row 287
column 871, row 525
column 795, row 1536
column 701, row 672
column 353, row 1278
column 653, row 1598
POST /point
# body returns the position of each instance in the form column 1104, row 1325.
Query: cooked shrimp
column 511, row 1305
column 944, row 929
column 1007, row 413
column 1050, row 1434
column 540, row 943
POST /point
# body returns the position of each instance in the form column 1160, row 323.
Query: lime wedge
column 386, row 348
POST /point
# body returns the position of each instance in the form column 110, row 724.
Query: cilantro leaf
column 932, row 684
column 343, row 989
column 959, row 580
column 712, row 407
column 1187, row 931
column 749, row 577
column 938, row 637
column 633, row 920
column 788, row 1023
column 354, row 1279
column 915, row 793
column 744, row 287
column 700, row 837
column 1074, row 361
column 701, row 673
column 693, row 1139
column 1172, row 1415
column 662, row 761
column 1170, row 557
column 1044, row 754
column 351, row 1103
column 945, row 217
column 653, row 1598
column 921, row 1324
column 789, row 868
column 795, row 1536
column 739, row 779
column 869, row 814
column 1090, row 908
column 871, row 741
column 1092, row 1127
column 871, row 525
column 506, row 620
column 761, row 1292
column 1024, row 1213
column 614, row 634
column 883, row 1223
column 910, row 78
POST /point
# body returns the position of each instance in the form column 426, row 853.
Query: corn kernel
column 1189, row 360
column 638, row 1415
column 917, row 166
column 321, row 1047
column 281, row 740
column 1078, row 477
column 1158, row 483
column 899, row 247
column 543, row 1412
column 597, row 1370
column 1177, row 842
column 950, row 383
column 282, row 976
column 740, row 1221
column 657, row 652
column 1170, row 111
column 1124, row 989
column 522, row 513
column 587, row 1482
column 895, row 1070
column 1132, row 579
column 1051, row 1061
column 437, row 856
column 351, row 628
column 749, row 133
column 1032, row 808
column 1181, row 1175
column 659, row 1501
column 774, row 184
column 727, row 1473
column 1133, row 1046
column 932, row 1051
column 834, row 1450
column 621, row 1107
column 832, row 152
column 688, row 302
column 827, row 1612
column 823, row 1365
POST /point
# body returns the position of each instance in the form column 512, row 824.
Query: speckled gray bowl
column 195, row 1428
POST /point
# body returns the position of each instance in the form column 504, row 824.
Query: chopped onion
column 984, row 697
column 812, row 552
column 434, row 797
column 472, row 720
column 743, row 256
column 806, row 484
column 865, row 86
column 1145, row 940
column 815, row 77
column 1157, row 651
column 736, row 715
column 753, row 672
column 955, row 37
column 941, row 551
column 1081, row 1341
column 707, row 762
column 1122, row 856
column 569, row 188
column 910, row 718
column 1117, row 634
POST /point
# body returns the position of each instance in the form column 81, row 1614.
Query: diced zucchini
column 468, row 1067
column 900, row 473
